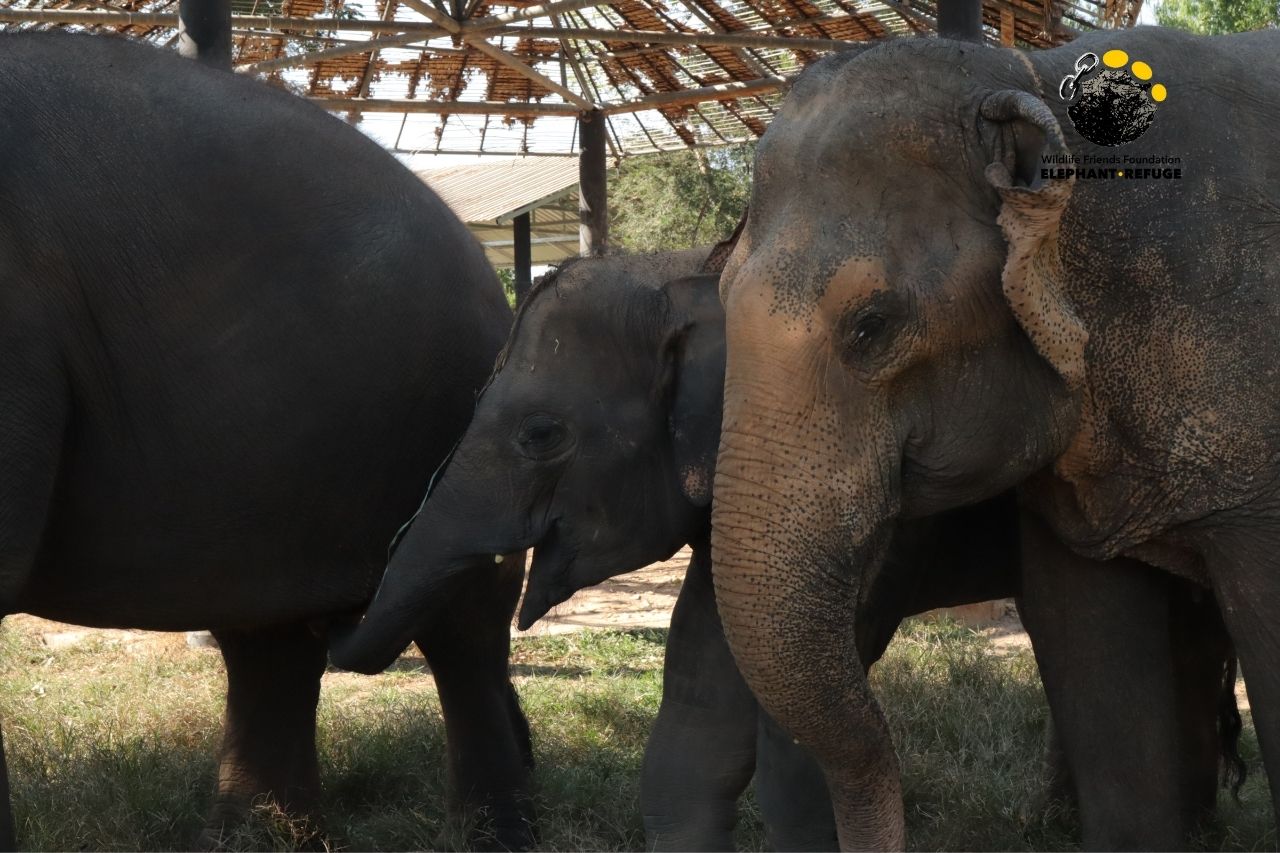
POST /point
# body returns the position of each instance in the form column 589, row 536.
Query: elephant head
column 593, row 444
column 896, row 346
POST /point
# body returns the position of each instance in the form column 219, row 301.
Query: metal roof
column 488, row 196
column 497, row 192
column 473, row 76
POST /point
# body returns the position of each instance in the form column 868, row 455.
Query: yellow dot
column 1158, row 92
column 1120, row 173
column 1141, row 70
column 1115, row 58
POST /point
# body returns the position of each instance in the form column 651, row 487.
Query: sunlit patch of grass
column 111, row 746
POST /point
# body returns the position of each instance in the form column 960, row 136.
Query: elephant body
column 932, row 311
column 228, row 373
column 600, row 464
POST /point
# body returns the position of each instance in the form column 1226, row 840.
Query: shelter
column 523, row 211
column 581, row 78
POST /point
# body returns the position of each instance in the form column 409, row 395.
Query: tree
column 507, row 276
column 1212, row 17
column 679, row 199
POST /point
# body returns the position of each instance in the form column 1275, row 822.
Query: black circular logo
column 1115, row 105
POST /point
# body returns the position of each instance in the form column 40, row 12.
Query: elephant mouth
column 547, row 586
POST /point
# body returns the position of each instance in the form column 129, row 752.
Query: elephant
column 226, row 375
column 602, row 466
column 940, row 295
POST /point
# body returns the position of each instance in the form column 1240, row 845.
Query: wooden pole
column 593, row 204
column 521, row 233
column 204, row 31
column 960, row 19
column 1008, row 31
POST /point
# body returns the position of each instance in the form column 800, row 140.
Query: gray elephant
column 594, row 444
column 938, row 297
column 226, row 375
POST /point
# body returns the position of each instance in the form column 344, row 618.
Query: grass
column 111, row 747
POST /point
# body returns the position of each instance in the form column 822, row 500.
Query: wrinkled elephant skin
column 226, row 375
column 919, row 318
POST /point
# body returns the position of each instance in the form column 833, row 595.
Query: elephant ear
column 693, row 355
column 1031, row 217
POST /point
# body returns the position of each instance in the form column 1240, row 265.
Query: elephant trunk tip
column 535, row 605
column 350, row 649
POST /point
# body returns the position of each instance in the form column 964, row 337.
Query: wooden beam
column 503, row 58
column 683, row 98
column 258, row 22
column 754, row 38
column 366, row 78
column 435, row 16
column 1007, row 27
column 376, row 43
column 497, row 54
column 528, row 13
column 480, row 108
column 687, row 97
column 711, row 23
column 739, row 38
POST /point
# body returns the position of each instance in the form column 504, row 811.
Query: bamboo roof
column 510, row 76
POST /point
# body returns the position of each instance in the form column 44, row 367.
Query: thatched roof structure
column 510, row 76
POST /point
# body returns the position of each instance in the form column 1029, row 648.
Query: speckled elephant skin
column 926, row 307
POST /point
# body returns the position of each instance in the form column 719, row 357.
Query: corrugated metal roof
column 487, row 196
column 496, row 192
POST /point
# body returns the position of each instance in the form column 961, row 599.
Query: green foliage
column 1213, row 17
column 679, row 199
column 507, row 276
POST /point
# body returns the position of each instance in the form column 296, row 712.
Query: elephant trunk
column 787, row 587
column 438, row 549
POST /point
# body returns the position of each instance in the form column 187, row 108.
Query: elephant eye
column 541, row 436
column 865, row 330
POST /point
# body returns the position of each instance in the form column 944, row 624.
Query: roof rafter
column 511, row 76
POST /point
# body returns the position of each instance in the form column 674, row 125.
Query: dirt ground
column 642, row 599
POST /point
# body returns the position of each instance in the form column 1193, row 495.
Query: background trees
column 680, row 199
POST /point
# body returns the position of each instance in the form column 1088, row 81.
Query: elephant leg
column 269, row 739
column 1202, row 653
column 701, row 751
column 1060, row 787
column 792, row 792
column 1102, row 637
column 489, row 750
column 1246, row 577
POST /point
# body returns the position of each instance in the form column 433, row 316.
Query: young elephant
column 593, row 443
column 215, row 413
column 928, row 306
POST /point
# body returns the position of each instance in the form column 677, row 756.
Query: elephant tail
column 1229, row 727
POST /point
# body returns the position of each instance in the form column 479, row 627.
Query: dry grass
column 111, row 747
